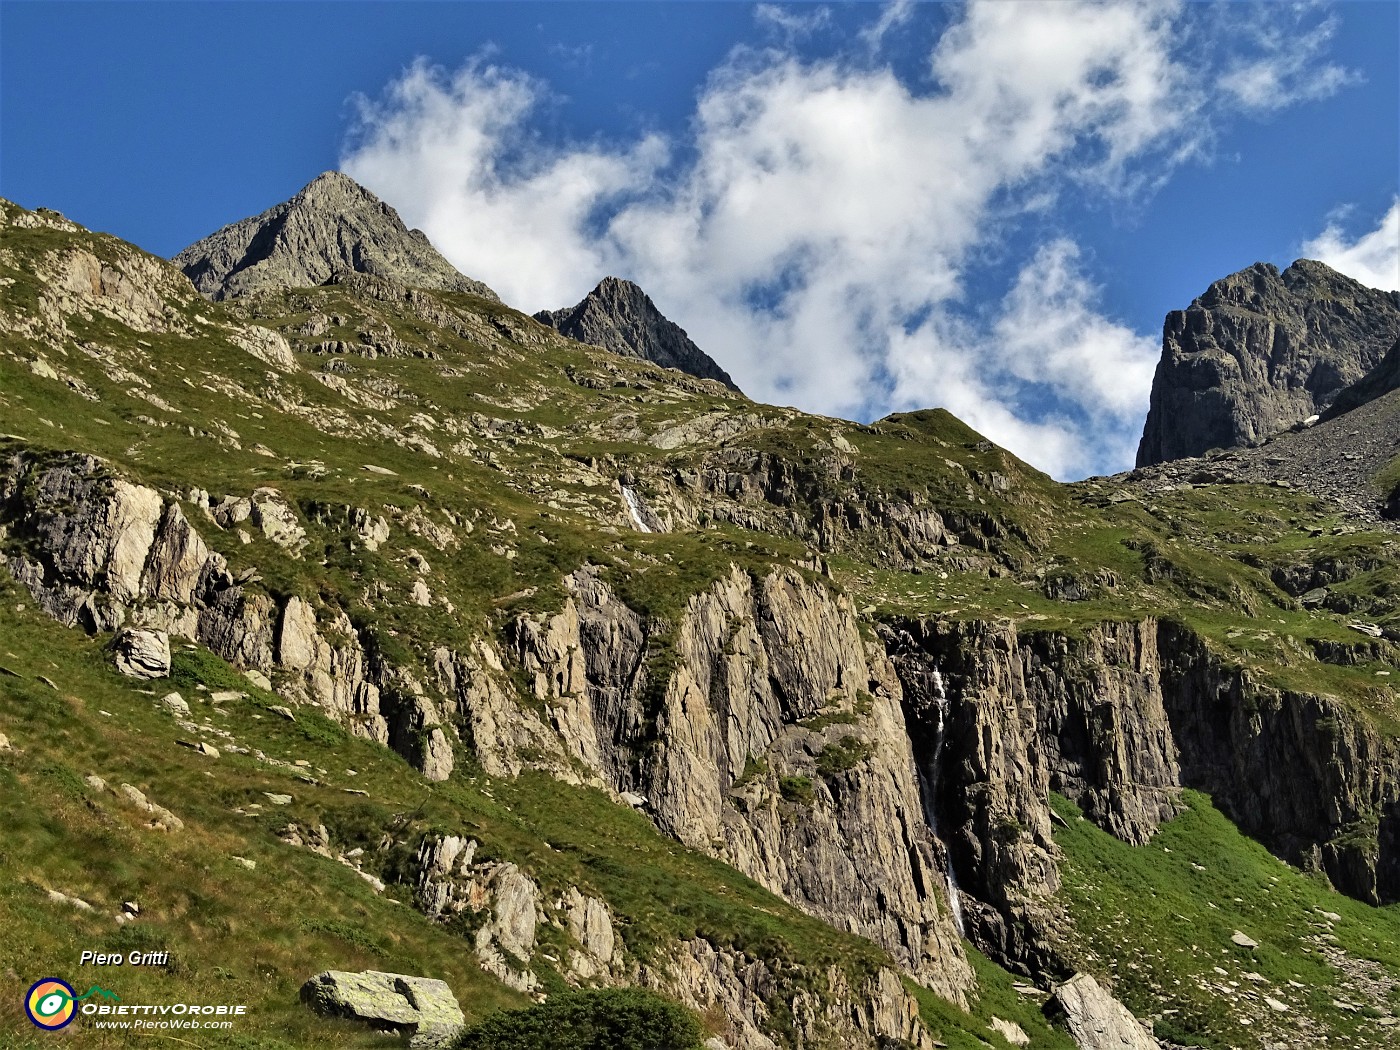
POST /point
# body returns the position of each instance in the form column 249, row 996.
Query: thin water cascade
column 634, row 508
column 929, row 771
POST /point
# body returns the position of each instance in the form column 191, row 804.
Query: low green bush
column 594, row 1019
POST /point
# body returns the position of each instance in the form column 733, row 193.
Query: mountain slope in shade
column 619, row 316
column 1260, row 351
column 333, row 224
column 1381, row 380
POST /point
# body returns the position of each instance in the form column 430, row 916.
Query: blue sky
column 855, row 208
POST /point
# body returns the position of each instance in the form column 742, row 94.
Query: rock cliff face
column 745, row 991
column 334, row 224
column 765, row 734
column 619, row 316
column 1260, row 351
column 1022, row 715
column 1119, row 717
column 100, row 552
column 1302, row 773
column 1381, row 380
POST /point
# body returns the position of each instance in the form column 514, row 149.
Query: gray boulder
column 422, row 1008
column 142, row 654
column 1095, row 1019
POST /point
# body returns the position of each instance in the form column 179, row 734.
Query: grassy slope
column 1157, row 921
column 255, row 936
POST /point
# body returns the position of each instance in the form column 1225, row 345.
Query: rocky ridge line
column 334, row 224
column 618, row 316
column 1260, row 351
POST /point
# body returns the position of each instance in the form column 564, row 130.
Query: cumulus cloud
column 454, row 152
column 818, row 238
column 1047, row 376
column 1373, row 258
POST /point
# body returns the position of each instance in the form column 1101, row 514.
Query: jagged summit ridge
column 333, row 224
column 1260, row 351
column 618, row 316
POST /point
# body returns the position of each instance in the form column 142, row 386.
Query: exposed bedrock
column 1119, row 717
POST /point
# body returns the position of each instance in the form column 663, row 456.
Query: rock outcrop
column 1381, row 380
column 1020, row 715
column 1339, row 459
column 103, row 553
column 142, row 654
column 619, row 316
column 776, row 742
column 1095, row 1019
column 334, row 224
column 421, row 1008
column 1305, row 774
column 1119, row 717
column 1260, row 351
column 749, row 994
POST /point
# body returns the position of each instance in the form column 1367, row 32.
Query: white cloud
column 1050, row 333
column 1373, row 258
column 894, row 14
column 1087, row 375
column 454, row 153
column 818, row 241
column 789, row 22
column 1287, row 66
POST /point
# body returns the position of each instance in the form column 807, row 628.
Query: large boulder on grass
column 1096, row 1020
column 142, row 654
column 422, row 1008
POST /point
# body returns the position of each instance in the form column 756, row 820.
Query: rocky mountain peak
column 1259, row 351
column 333, row 224
column 618, row 316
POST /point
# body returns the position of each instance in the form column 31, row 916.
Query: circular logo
column 51, row 1003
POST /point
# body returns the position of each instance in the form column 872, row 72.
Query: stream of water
column 929, row 771
column 634, row 507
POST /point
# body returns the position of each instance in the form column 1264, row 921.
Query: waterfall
column 929, row 772
column 634, row 508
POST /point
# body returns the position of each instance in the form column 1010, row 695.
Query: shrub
column 796, row 789
column 594, row 1019
column 839, row 758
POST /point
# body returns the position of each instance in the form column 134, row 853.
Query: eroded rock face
column 1095, row 1019
column 1119, row 717
column 1260, row 351
column 104, row 553
column 1024, row 714
column 619, row 316
column 422, row 1008
column 721, row 982
column 333, row 224
column 266, row 345
column 590, row 924
column 1304, row 774
column 776, row 743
